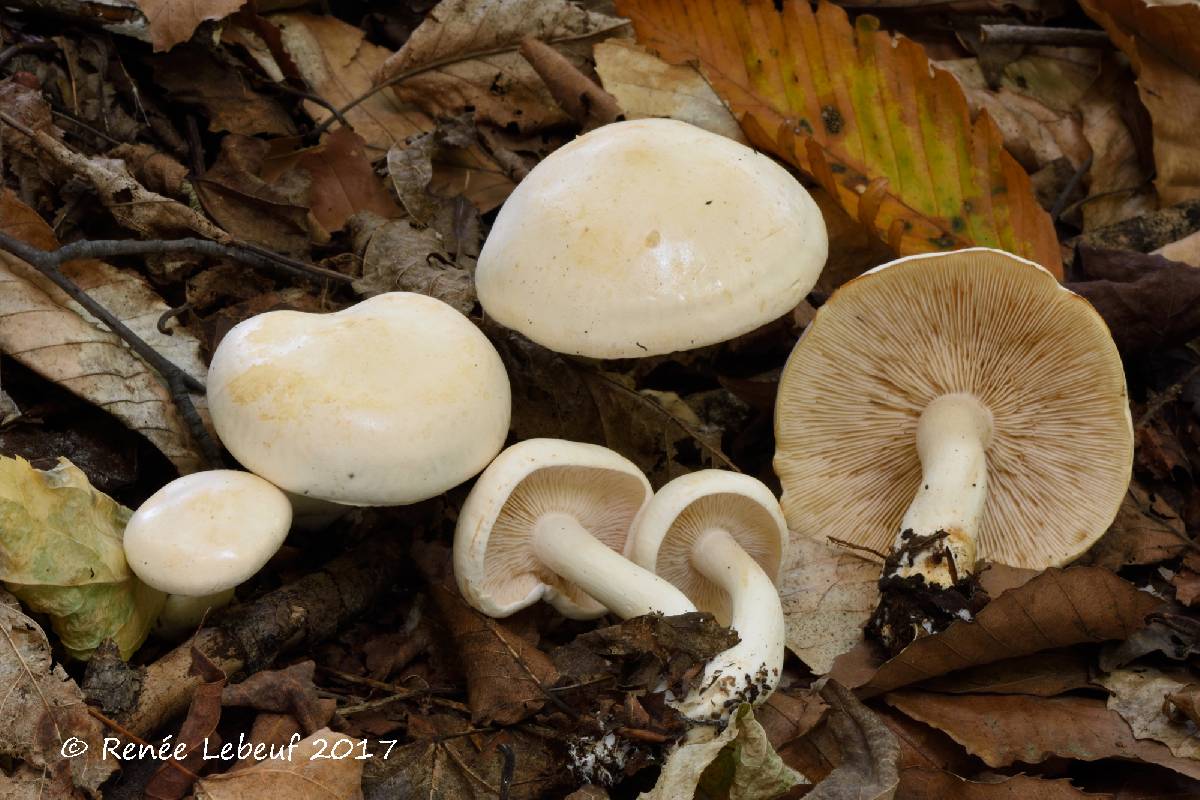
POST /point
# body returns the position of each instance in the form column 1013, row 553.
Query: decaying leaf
column 507, row 677
column 62, row 556
column 647, row 86
column 441, row 165
column 1146, row 531
column 42, row 328
column 197, row 734
column 864, row 116
column 1025, row 729
column 739, row 763
column 281, row 691
column 309, row 773
column 828, row 594
column 41, row 708
column 917, row 782
column 1168, row 67
column 337, row 61
column 174, row 21
column 464, row 57
column 445, row 760
column 398, row 257
column 1147, row 301
column 194, row 76
column 1058, row 608
column 1045, row 674
column 1139, row 695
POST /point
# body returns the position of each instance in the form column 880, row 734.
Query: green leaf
column 61, row 555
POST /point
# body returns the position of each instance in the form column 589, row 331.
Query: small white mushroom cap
column 206, row 532
column 666, row 531
column 495, row 564
column 650, row 236
column 389, row 402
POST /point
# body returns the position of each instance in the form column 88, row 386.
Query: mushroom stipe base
column 910, row 604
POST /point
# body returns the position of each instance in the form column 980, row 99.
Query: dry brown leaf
column 174, row 21
column 289, row 690
column 339, row 64
column 156, row 170
column 1146, row 531
column 828, row 593
column 197, row 734
column 399, row 257
column 507, row 677
column 194, row 76
column 1037, row 130
column 1117, row 179
column 917, row 783
column 1006, row 729
column 1187, row 586
column 272, row 213
column 1138, row 694
column 42, row 710
column 464, row 57
column 46, row 331
column 862, row 114
column 1059, row 608
column 442, row 165
column 302, row 776
column 342, row 180
column 576, row 94
column 1186, row 250
column 1158, row 39
column 1184, row 703
column 1042, row 674
column 647, row 86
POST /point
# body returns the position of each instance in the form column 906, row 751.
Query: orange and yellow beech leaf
column 861, row 113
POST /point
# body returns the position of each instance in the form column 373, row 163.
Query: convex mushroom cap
column 206, row 532
column 548, row 520
column 965, row 394
column 647, row 237
column 721, row 538
column 389, row 402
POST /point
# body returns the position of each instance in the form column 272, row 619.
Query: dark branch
column 1033, row 34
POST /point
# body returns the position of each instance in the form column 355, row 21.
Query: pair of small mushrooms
column 549, row 520
column 637, row 239
column 389, row 402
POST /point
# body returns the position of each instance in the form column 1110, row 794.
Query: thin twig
column 76, row 121
column 1034, row 34
column 853, row 546
column 401, row 77
column 1063, row 196
column 507, row 768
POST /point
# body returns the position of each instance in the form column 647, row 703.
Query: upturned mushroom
column 203, row 534
column 721, row 538
column 948, row 408
column 547, row 520
column 647, row 237
column 389, row 402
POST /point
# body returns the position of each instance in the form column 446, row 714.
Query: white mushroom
column 953, row 407
column 721, row 538
column 389, row 402
column 650, row 236
column 547, row 520
column 203, row 534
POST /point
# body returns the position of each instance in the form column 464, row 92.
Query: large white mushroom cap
column 647, row 237
column 980, row 323
column 389, row 402
column 206, row 532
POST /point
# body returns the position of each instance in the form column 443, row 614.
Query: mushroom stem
column 749, row 670
column 952, row 440
column 568, row 549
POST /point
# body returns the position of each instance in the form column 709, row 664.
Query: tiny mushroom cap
column 971, row 381
column 721, row 538
column 206, row 532
column 388, row 402
column 650, row 236
column 547, row 520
